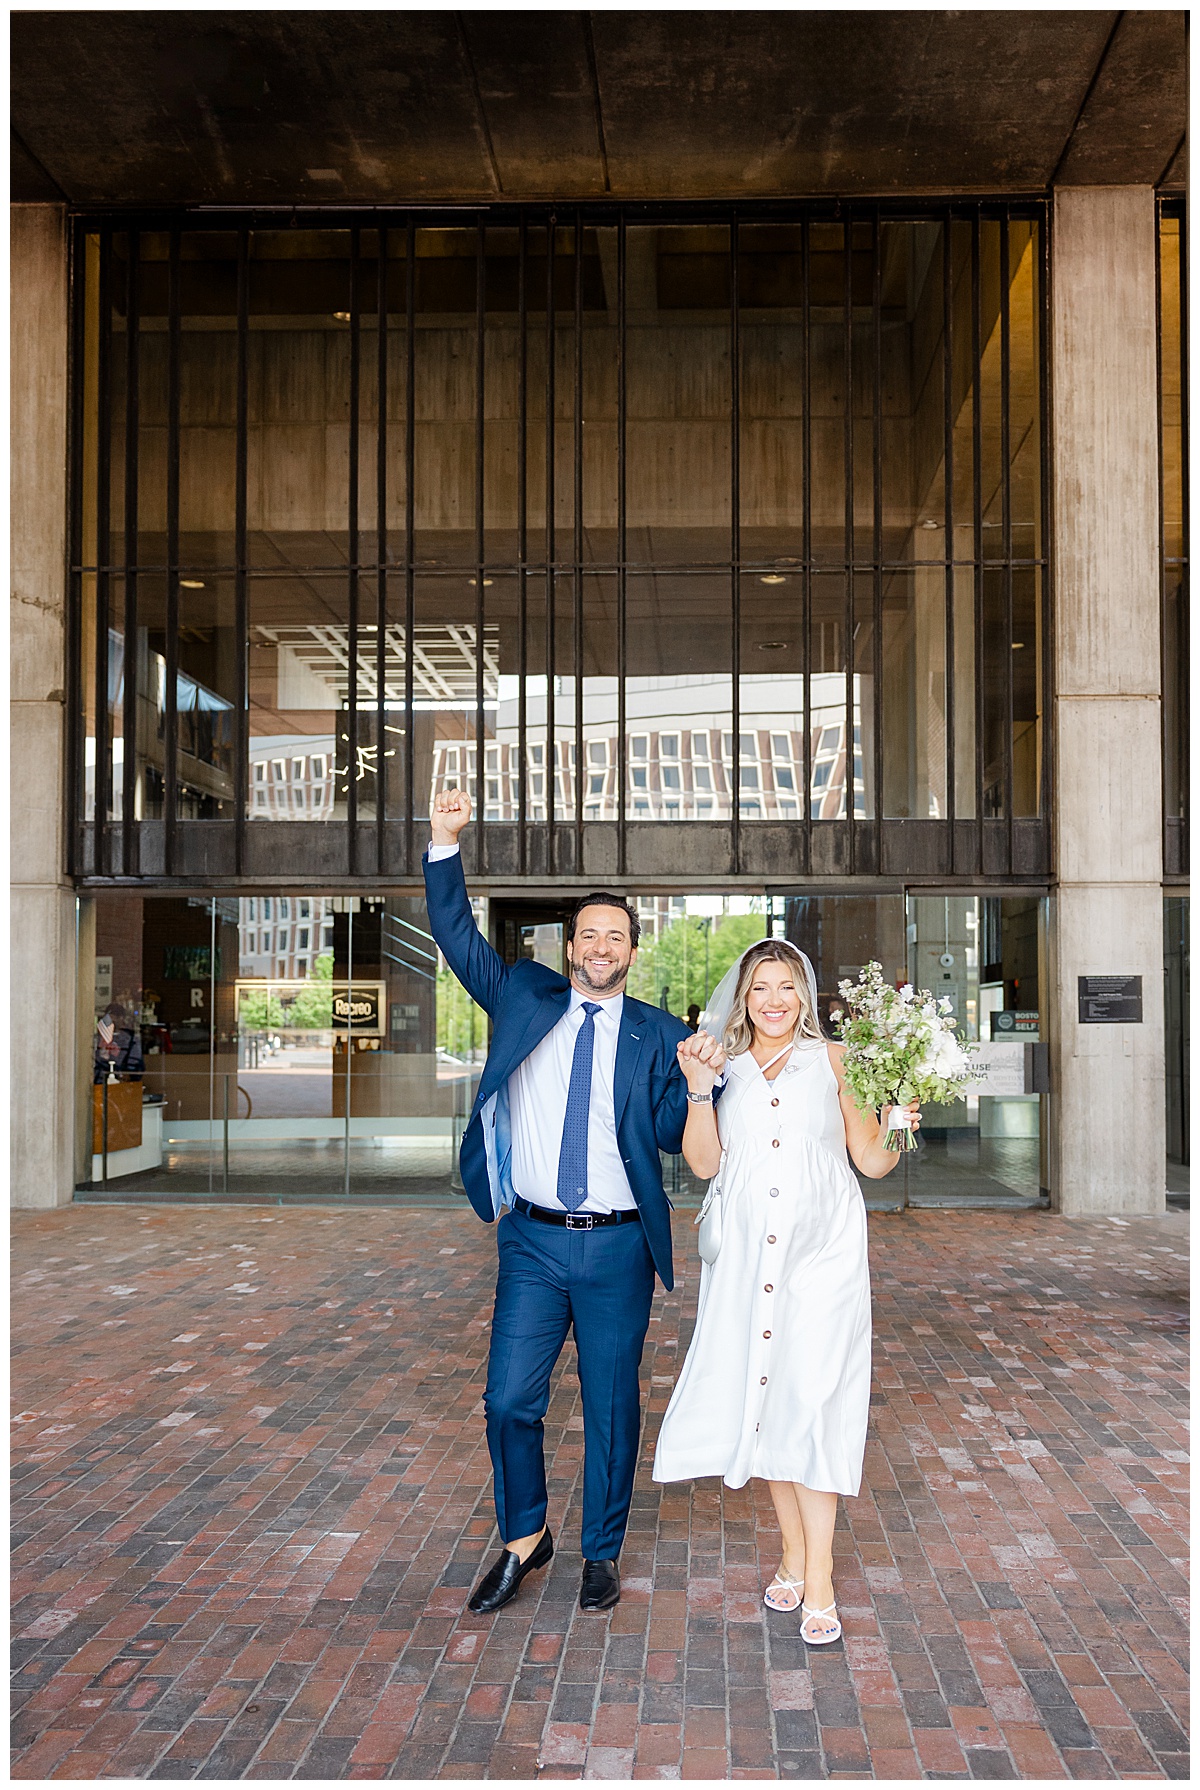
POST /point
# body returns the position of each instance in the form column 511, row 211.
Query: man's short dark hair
column 606, row 898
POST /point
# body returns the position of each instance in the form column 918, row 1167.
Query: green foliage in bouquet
column 901, row 1045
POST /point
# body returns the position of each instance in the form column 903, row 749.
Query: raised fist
column 451, row 812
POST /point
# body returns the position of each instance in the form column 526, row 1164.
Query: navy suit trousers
column 552, row 1280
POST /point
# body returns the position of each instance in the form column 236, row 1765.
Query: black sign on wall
column 1110, row 1000
column 358, row 1008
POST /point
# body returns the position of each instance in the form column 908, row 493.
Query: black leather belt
column 572, row 1221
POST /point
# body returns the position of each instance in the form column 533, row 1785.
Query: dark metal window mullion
column 1181, row 671
column 877, row 541
column 622, row 618
column 948, row 522
column 131, row 656
column 1042, row 302
column 806, row 530
column 381, row 535
column 76, row 672
column 241, row 759
column 551, row 742
column 1006, row 532
column 735, row 543
column 1164, row 670
column 523, row 552
column 170, row 704
column 577, row 570
column 848, row 529
column 1172, row 672
column 102, row 774
column 977, row 531
column 410, row 595
column 480, row 607
column 352, row 753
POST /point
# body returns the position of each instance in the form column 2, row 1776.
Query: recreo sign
column 359, row 1009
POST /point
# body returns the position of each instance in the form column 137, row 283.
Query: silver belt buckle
column 580, row 1221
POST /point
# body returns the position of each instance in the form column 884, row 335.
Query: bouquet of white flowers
column 901, row 1045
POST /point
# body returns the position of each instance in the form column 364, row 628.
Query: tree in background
column 461, row 1025
column 676, row 958
column 312, row 1009
column 259, row 1011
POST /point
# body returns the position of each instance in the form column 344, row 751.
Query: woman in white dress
column 777, row 1381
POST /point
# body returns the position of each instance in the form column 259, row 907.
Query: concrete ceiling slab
column 162, row 108
column 842, row 102
column 538, row 94
column 1140, row 87
column 1175, row 179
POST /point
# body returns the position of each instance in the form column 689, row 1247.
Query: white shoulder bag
column 710, row 1218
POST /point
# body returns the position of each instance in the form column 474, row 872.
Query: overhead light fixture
column 930, row 523
column 1017, row 645
column 192, row 583
column 773, row 646
column 476, row 581
column 772, row 578
column 341, row 316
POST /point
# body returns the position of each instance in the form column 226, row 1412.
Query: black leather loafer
column 601, row 1587
column 500, row 1585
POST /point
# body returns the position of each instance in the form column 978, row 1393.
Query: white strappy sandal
column 811, row 1615
column 784, row 1586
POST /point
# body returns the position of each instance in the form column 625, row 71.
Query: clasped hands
column 702, row 1060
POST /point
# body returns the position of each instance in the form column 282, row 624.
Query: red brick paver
column 252, row 1494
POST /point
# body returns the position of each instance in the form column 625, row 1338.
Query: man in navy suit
column 580, row 1092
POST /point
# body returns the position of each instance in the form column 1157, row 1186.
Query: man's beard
column 579, row 974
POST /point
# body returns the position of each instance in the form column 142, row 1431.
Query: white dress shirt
column 537, row 1095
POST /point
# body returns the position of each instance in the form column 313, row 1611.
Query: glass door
column 984, row 954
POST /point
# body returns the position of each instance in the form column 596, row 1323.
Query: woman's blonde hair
column 739, row 1033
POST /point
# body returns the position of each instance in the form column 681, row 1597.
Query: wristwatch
column 699, row 1099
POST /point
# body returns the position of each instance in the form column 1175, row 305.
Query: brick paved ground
column 252, row 1494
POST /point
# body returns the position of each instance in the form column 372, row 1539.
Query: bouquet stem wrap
column 899, row 1133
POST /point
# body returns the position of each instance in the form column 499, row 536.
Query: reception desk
column 134, row 1131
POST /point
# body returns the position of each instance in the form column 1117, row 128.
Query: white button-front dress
column 777, row 1381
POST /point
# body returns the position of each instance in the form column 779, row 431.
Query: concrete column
column 1107, row 1080
column 42, row 1038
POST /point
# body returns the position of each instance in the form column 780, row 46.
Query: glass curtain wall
column 1177, row 973
column 313, row 1047
column 277, row 1046
column 731, row 518
column 984, row 953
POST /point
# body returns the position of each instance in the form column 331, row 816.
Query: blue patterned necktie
column 572, row 1156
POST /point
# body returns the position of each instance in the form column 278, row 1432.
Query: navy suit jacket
column 524, row 1001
